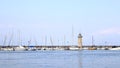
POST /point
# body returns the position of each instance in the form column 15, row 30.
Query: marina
column 60, row 34
column 80, row 46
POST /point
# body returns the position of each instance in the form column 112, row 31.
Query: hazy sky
column 39, row 19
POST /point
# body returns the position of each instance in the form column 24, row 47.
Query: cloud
column 109, row 31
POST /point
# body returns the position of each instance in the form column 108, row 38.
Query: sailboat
column 117, row 48
column 20, row 47
column 8, row 48
column 4, row 43
column 93, row 46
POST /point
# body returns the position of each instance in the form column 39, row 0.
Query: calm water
column 60, row 59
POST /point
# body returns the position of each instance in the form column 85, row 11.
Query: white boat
column 118, row 48
column 75, row 48
column 19, row 48
column 6, row 49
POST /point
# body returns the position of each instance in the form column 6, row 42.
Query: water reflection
column 80, row 59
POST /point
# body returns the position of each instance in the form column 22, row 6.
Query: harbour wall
column 62, row 47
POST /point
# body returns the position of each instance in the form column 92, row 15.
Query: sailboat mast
column 11, row 37
column 45, row 40
column 64, row 40
column 4, row 43
column 72, row 34
column 19, row 38
column 51, row 41
column 92, row 41
column 35, row 41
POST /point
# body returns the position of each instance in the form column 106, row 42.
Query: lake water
column 60, row 59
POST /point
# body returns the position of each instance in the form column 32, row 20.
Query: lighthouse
column 80, row 41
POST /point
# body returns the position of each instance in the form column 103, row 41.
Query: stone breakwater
column 43, row 47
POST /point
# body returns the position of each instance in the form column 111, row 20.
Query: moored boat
column 19, row 48
column 118, row 48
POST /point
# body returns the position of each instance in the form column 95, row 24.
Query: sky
column 59, row 21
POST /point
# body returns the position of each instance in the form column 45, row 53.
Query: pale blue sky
column 37, row 19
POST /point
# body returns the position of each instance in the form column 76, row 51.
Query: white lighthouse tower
column 80, row 41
